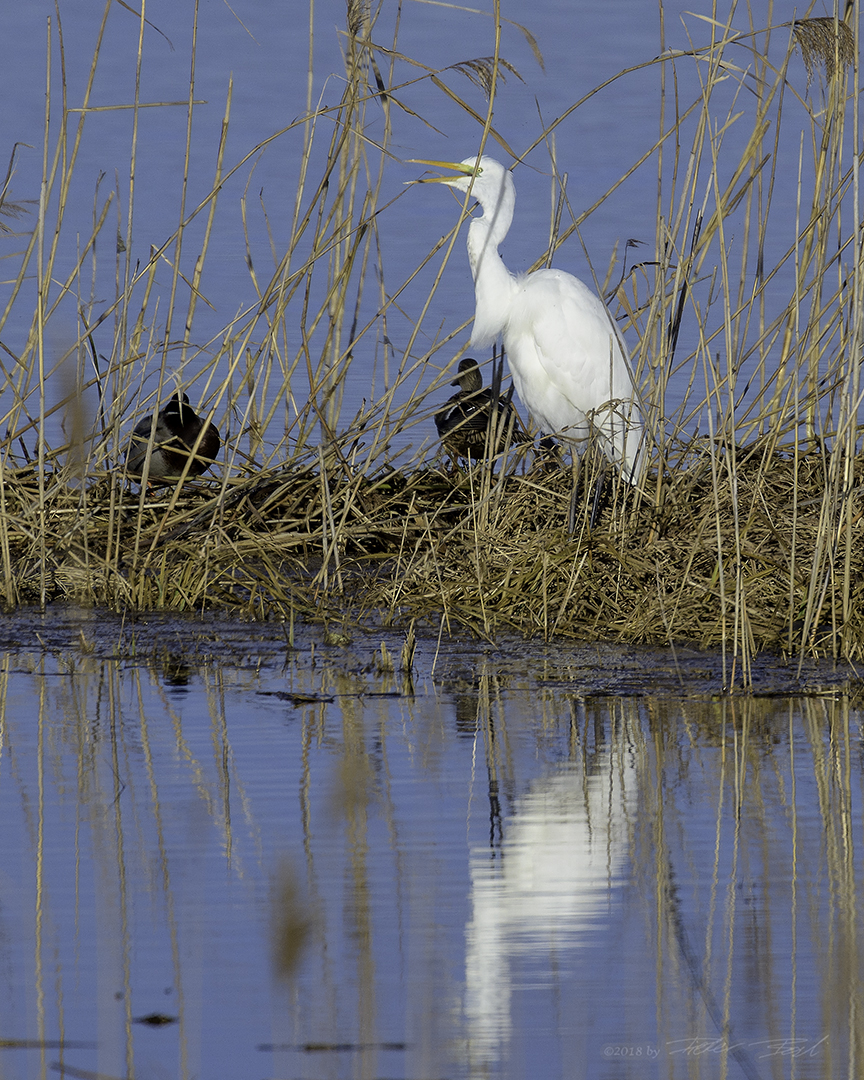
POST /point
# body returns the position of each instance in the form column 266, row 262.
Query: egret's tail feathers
column 618, row 426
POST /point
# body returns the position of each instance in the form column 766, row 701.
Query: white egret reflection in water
column 544, row 891
column 500, row 868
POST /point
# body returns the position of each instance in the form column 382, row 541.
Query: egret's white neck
column 493, row 282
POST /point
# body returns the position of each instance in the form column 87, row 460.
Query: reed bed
column 746, row 534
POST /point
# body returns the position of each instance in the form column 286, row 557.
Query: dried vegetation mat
column 753, row 546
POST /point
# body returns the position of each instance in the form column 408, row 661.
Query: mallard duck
column 464, row 419
column 174, row 436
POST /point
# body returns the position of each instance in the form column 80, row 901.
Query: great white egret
column 566, row 357
column 464, row 421
column 174, row 438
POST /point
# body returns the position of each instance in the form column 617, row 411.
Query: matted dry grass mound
column 760, row 552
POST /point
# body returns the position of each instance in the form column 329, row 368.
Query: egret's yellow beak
column 456, row 166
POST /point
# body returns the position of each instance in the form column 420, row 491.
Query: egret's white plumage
column 566, row 356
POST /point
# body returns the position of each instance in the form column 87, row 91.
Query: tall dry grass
column 746, row 534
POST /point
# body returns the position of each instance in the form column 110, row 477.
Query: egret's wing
column 573, row 362
column 576, row 340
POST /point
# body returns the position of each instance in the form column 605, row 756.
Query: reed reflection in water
column 480, row 873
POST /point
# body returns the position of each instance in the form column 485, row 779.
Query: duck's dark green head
column 469, row 380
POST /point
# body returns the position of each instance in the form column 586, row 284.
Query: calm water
column 515, row 864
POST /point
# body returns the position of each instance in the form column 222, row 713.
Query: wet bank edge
column 161, row 640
